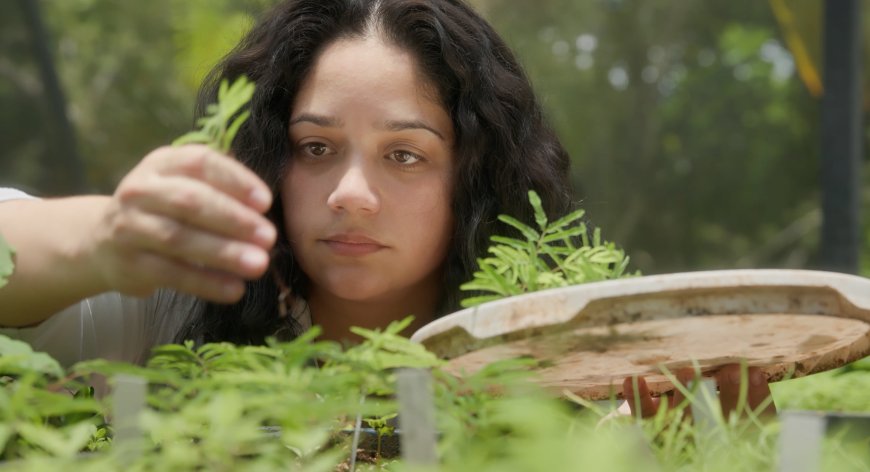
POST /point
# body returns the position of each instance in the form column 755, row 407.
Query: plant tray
column 589, row 338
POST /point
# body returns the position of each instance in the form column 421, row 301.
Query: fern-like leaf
column 557, row 254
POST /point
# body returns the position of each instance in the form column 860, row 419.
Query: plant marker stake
column 128, row 400
column 800, row 440
column 355, row 443
column 416, row 417
column 702, row 403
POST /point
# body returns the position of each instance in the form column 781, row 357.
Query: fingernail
column 253, row 259
column 265, row 234
column 261, row 198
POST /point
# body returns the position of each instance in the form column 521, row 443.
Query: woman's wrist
column 85, row 251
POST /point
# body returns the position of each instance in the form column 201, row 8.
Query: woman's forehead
column 370, row 77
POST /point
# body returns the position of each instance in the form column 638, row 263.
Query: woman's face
column 367, row 193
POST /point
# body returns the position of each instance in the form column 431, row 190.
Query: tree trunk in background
column 64, row 169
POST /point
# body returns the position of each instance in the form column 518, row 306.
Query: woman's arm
column 53, row 267
column 186, row 218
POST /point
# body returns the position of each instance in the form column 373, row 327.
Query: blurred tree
column 130, row 70
column 694, row 142
column 118, row 61
column 62, row 147
column 694, row 138
column 22, row 114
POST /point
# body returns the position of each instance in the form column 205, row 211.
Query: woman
column 406, row 123
column 385, row 137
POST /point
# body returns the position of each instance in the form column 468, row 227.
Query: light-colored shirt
column 110, row 325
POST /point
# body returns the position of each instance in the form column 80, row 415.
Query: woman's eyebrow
column 400, row 125
column 320, row 120
column 389, row 125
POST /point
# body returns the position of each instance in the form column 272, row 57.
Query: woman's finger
column 760, row 398
column 639, row 398
column 218, row 170
column 748, row 386
column 728, row 378
column 165, row 272
column 684, row 376
column 170, row 238
column 196, row 204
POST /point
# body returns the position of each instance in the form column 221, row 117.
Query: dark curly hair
column 504, row 145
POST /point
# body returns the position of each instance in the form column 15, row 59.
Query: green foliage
column 281, row 406
column 383, row 426
column 651, row 159
column 7, row 261
column 556, row 254
column 843, row 390
column 43, row 412
column 289, row 406
column 662, row 106
column 204, row 32
column 222, row 119
column 18, row 358
column 40, row 410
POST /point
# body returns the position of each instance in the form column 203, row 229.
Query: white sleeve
column 7, row 193
column 109, row 326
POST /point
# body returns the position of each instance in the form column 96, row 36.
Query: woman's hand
column 186, row 218
column 727, row 378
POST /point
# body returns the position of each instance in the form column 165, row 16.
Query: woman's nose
column 354, row 192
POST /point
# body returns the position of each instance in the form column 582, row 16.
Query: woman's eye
column 405, row 157
column 315, row 149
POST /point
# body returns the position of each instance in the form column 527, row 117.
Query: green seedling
column 383, row 426
column 556, row 254
column 223, row 119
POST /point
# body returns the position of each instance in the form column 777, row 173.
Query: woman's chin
column 353, row 291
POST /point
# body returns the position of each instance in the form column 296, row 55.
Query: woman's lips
column 352, row 245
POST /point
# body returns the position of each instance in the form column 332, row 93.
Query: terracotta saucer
column 588, row 338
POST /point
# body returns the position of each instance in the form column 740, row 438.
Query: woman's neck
column 336, row 315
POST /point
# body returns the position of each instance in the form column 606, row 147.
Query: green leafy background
column 694, row 140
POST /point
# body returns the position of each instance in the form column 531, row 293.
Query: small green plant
column 383, row 426
column 42, row 410
column 223, row 119
column 556, row 254
column 280, row 406
column 7, row 261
